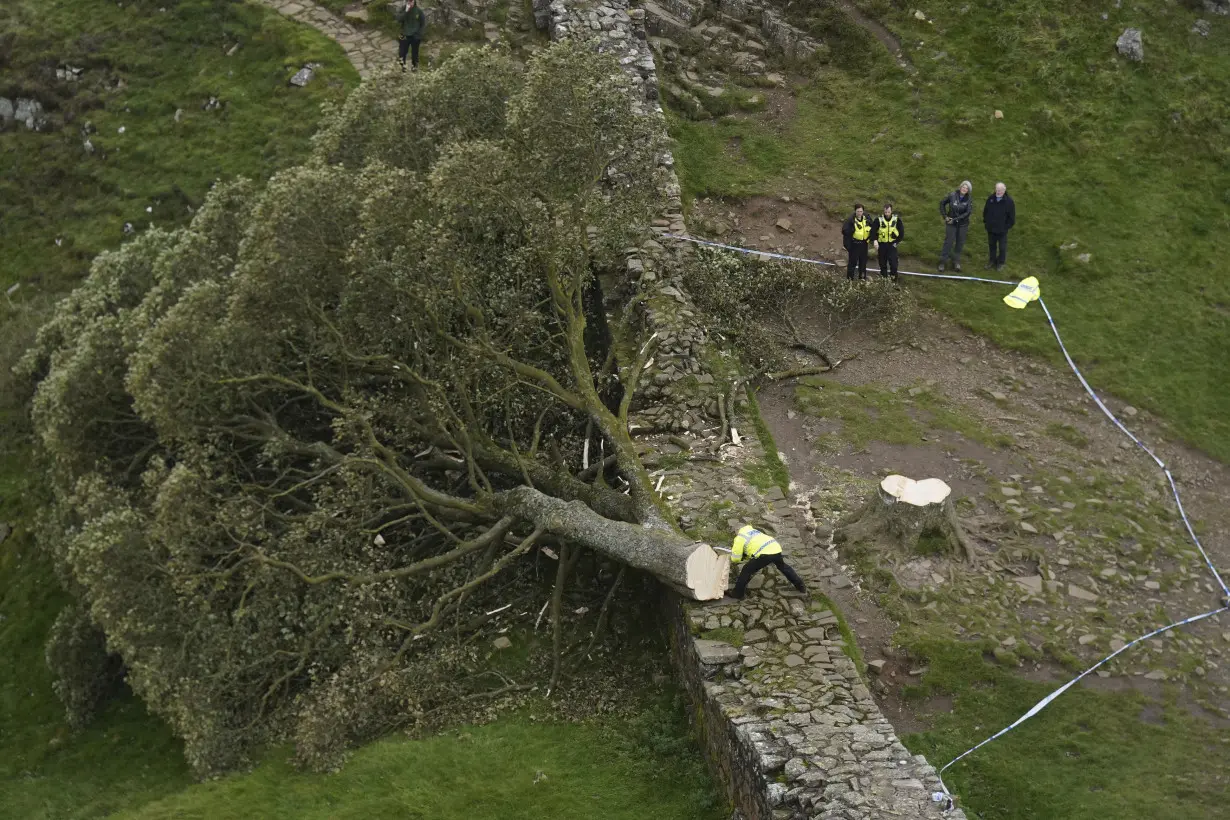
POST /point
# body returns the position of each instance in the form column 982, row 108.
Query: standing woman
column 412, row 21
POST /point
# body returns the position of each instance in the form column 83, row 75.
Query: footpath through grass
column 1089, row 756
column 1131, row 162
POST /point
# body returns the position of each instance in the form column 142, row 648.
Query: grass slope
column 50, row 188
column 512, row 770
column 1127, row 160
column 1092, row 756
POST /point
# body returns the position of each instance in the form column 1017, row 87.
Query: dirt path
column 1076, row 513
column 365, row 48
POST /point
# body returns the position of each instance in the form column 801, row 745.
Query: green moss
column 771, row 472
column 725, row 634
column 1068, row 433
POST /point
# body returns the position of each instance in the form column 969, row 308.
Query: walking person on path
column 412, row 22
column 888, row 230
column 998, row 215
column 855, row 234
column 956, row 208
column 760, row 550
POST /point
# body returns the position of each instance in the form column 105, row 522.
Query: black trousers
column 1000, row 241
column 410, row 44
column 888, row 259
column 858, row 259
column 757, row 564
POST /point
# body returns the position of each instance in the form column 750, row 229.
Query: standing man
column 956, row 209
column 412, row 22
column 855, row 234
column 998, row 215
column 760, row 550
column 889, row 230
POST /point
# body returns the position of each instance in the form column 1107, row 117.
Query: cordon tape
column 945, row 796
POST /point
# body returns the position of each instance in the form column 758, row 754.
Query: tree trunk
column 693, row 568
column 902, row 511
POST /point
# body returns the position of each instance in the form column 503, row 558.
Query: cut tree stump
column 902, row 511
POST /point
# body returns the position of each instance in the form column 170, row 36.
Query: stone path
column 365, row 48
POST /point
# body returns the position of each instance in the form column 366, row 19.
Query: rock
column 29, row 113
column 1221, row 7
column 502, row 642
column 999, row 115
column 1010, row 492
column 1085, row 640
column 918, row 15
column 1130, row 411
column 1084, row 258
column 753, row 635
column 356, row 16
column 774, row 493
column 179, row 114
column 795, row 767
column 1116, row 645
column 1031, row 583
column 1005, row 657
column 876, row 667
column 1152, row 586
column 1130, row 45
column 88, row 146
column 1081, row 594
column 841, row 582
column 793, row 660
column 715, row 652
column 1156, row 674
column 1201, row 27
column 995, row 394
column 784, row 224
column 1029, row 528
column 5, row 531
column 6, row 110
column 304, row 75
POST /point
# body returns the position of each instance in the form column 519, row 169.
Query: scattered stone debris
column 304, row 75
column 29, row 112
column 1201, row 27
column 212, row 104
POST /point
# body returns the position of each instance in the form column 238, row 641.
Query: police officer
column 759, row 550
column 855, row 234
column 888, row 230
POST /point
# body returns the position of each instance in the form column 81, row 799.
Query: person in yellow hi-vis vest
column 759, row 550
column 855, row 234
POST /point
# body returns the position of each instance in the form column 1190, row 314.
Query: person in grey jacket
column 956, row 208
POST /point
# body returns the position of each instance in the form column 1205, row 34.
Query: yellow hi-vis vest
column 752, row 543
column 1027, row 291
column 888, row 230
column 862, row 229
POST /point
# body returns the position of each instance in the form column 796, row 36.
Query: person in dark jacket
column 412, row 22
column 956, row 209
column 998, row 215
column 888, row 230
column 855, row 235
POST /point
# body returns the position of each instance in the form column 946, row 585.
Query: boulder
column 1130, row 45
column 715, row 653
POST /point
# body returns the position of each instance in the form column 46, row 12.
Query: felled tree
column 292, row 439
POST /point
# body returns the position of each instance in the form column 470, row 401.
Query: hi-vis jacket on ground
column 752, row 543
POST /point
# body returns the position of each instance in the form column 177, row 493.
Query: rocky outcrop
column 24, row 110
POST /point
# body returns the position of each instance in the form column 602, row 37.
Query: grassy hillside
column 141, row 66
column 1129, row 161
column 512, row 770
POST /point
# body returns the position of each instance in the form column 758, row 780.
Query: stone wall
column 789, row 725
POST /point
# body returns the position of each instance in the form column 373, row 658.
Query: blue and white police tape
column 945, row 796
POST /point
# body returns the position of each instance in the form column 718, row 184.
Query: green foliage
column 230, row 412
column 1127, row 160
column 1068, row 433
column 1087, row 756
column 86, row 674
column 771, row 472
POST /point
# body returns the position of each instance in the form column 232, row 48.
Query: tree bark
column 693, row 568
column 886, row 517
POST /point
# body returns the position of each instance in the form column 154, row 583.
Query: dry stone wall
column 789, row 724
